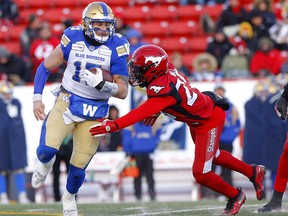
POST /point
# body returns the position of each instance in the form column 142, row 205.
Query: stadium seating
column 166, row 12
column 137, row 13
column 171, row 44
column 13, row 47
column 163, row 22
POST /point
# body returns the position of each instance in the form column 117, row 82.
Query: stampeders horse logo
column 155, row 60
column 156, row 89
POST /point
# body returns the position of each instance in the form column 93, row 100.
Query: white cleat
column 4, row 199
column 41, row 172
column 69, row 204
column 22, row 198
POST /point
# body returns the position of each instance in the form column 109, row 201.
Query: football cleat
column 272, row 206
column 69, row 204
column 234, row 204
column 41, row 172
column 22, row 198
column 258, row 180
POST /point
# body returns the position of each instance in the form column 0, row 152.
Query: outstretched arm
column 149, row 108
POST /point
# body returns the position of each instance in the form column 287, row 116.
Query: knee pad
column 45, row 153
column 75, row 179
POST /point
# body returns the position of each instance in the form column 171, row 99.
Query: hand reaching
column 107, row 126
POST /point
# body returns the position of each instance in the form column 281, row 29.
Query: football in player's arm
column 170, row 93
column 83, row 95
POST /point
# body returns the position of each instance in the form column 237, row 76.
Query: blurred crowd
column 245, row 41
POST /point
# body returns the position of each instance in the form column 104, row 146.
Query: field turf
column 201, row 208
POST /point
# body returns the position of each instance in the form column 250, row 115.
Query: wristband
column 107, row 87
column 37, row 97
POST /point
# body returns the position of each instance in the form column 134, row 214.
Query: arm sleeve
column 150, row 107
column 41, row 77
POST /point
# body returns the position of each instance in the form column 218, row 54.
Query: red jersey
column 172, row 95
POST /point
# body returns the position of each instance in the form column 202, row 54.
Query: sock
column 20, row 182
column 3, row 184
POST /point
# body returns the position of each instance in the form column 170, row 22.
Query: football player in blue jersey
column 82, row 97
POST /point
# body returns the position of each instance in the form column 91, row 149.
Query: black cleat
column 234, row 204
column 272, row 206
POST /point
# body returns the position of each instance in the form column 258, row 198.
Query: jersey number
column 88, row 66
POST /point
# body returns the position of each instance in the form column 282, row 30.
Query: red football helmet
column 147, row 63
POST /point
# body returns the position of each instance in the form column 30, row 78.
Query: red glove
column 107, row 126
column 151, row 120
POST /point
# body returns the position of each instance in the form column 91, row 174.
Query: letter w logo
column 89, row 110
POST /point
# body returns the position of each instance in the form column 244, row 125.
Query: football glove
column 93, row 79
column 107, row 126
column 151, row 120
column 281, row 108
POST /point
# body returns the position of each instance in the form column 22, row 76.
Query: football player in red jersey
column 170, row 93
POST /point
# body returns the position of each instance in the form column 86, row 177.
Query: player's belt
column 63, row 90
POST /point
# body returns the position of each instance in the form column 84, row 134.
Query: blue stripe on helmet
column 104, row 8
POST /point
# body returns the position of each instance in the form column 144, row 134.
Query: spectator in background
column 265, row 7
column 135, row 39
column 115, row 139
column 236, row 63
column 260, row 143
column 232, row 16
column 121, row 25
column 140, row 141
column 267, row 60
column 279, row 31
column 64, row 154
column 60, row 27
column 281, row 178
column 177, row 61
column 112, row 142
column 205, row 68
column 9, row 11
column 219, row 46
column 230, row 131
column 42, row 48
column 29, row 34
column 13, row 144
column 16, row 69
column 260, row 30
column 245, row 34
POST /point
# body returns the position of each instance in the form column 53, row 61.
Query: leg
column 138, row 181
column 275, row 204
column 256, row 173
column 20, row 182
column 54, row 130
column 206, row 148
column 3, row 189
column 56, row 176
column 149, row 173
column 84, row 148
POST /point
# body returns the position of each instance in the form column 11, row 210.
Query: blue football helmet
column 101, row 13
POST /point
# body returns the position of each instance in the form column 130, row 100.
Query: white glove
column 92, row 79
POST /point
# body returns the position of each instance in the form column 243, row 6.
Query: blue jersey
column 80, row 55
